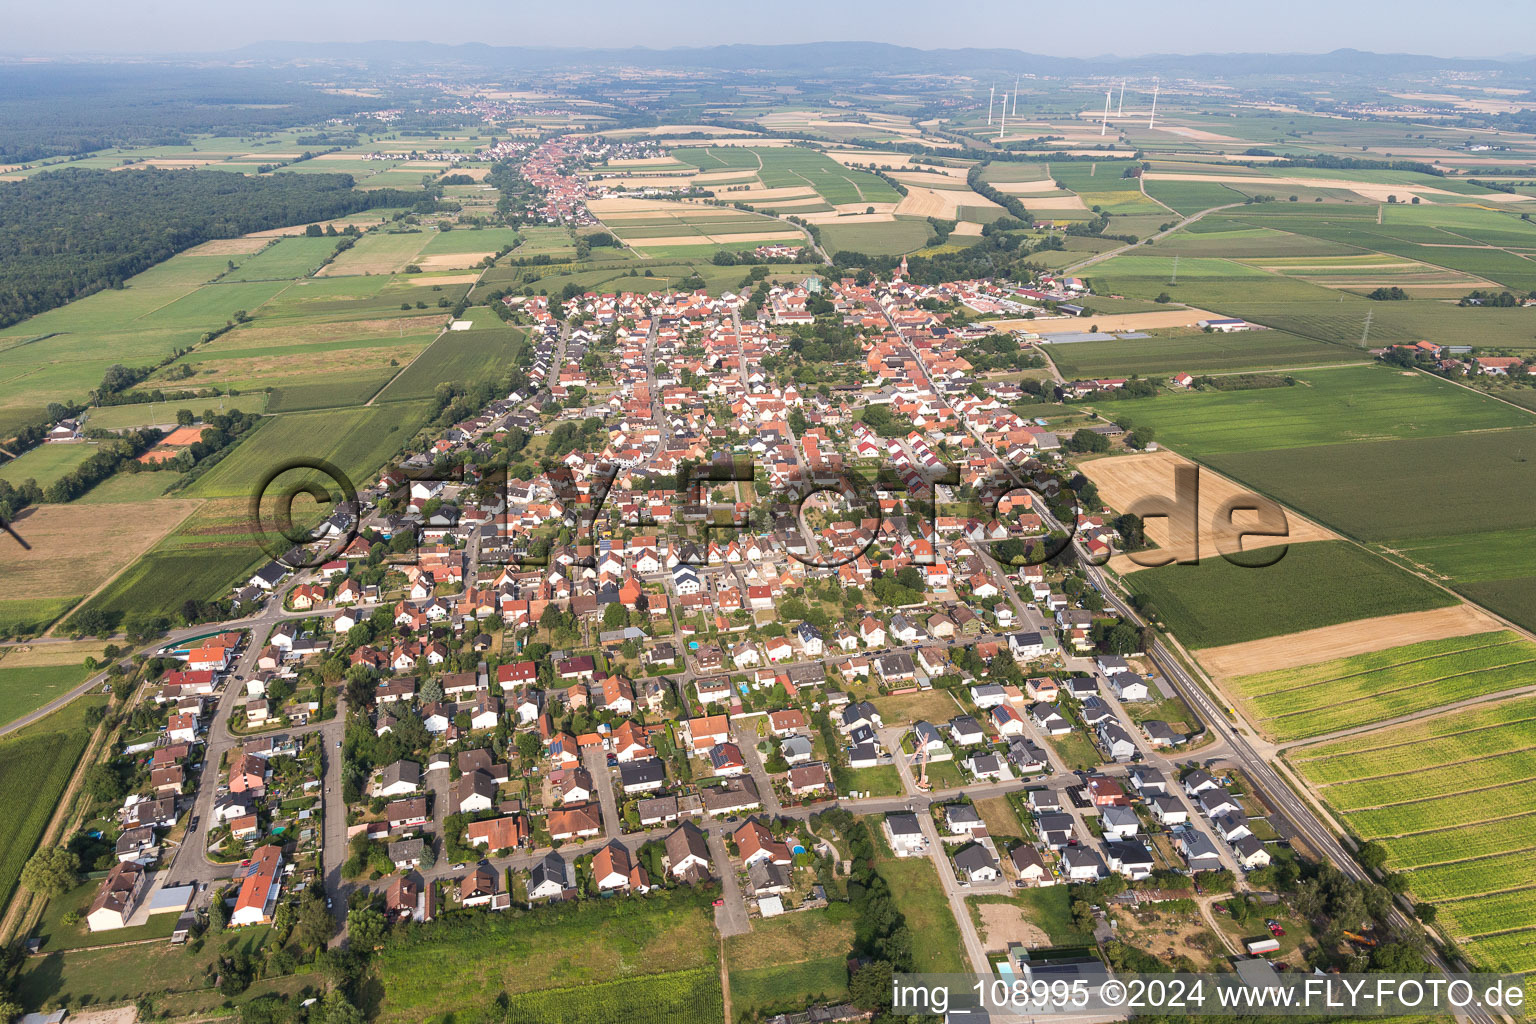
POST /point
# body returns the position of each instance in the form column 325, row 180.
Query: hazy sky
column 1098, row 27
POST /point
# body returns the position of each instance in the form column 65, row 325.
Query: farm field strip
column 1500, row 912
column 1285, row 680
column 1514, row 952
column 1399, row 695
column 1468, row 777
column 1405, row 759
column 1475, row 877
column 1448, row 846
column 1505, row 801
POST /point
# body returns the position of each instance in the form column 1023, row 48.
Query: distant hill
column 851, row 58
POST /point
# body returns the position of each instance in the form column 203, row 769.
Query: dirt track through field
column 1125, row 479
column 1344, row 640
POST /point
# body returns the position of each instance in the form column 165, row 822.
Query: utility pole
column 1175, row 278
column 1365, row 334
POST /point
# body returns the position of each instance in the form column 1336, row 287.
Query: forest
column 66, row 110
column 66, row 234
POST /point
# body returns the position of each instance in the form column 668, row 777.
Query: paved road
column 731, row 916
column 595, row 758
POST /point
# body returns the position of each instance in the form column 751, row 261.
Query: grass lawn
column 882, row 780
column 45, row 463
column 787, row 963
column 23, row 690
column 173, row 976
column 935, row 706
column 1075, row 750
column 1317, row 584
column 57, row 936
column 635, row 957
column 936, row 944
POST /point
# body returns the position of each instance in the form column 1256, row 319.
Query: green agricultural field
column 161, row 581
column 787, row 166
column 1316, row 584
column 24, row 690
column 1297, row 703
column 642, row 959
column 357, row 441
column 1363, row 403
column 1189, row 197
column 21, row 616
column 380, row 252
column 1374, row 491
column 46, row 463
column 890, row 238
column 284, row 260
column 543, row 241
column 1451, row 799
column 471, row 240
column 34, row 769
column 484, row 352
column 1195, row 353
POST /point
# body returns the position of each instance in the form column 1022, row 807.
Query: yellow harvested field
column 1368, row 189
column 634, row 207
column 422, row 279
column 59, row 565
column 748, row 236
column 451, row 261
column 936, row 202
column 229, row 247
column 753, row 195
column 1124, row 321
column 833, row 217
column 1197, row 134
column 790, row 203
column 71, row 652
column 1027, row 187
column 648, row 161
column 967, row 227
column 1347, row 639
column 360, row 220
column 1123, row 480
column 1056, row 202
column 725, row 177
column 477, row 173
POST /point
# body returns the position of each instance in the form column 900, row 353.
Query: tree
column 315, row 924
column 431, row 691
column 366, row 926
column 105, row 783
column 1086, row 440
column 528, row 746
column 1373, row 855
column 184, row 417
column 339, row 1011
column 51, row 872
column 870, row 988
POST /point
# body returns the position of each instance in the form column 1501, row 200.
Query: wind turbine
column 991, row 96
column 1016, row 93
column 1104, row 127
column 1151, row 120
column 1002, row 130
column 1121, row 108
